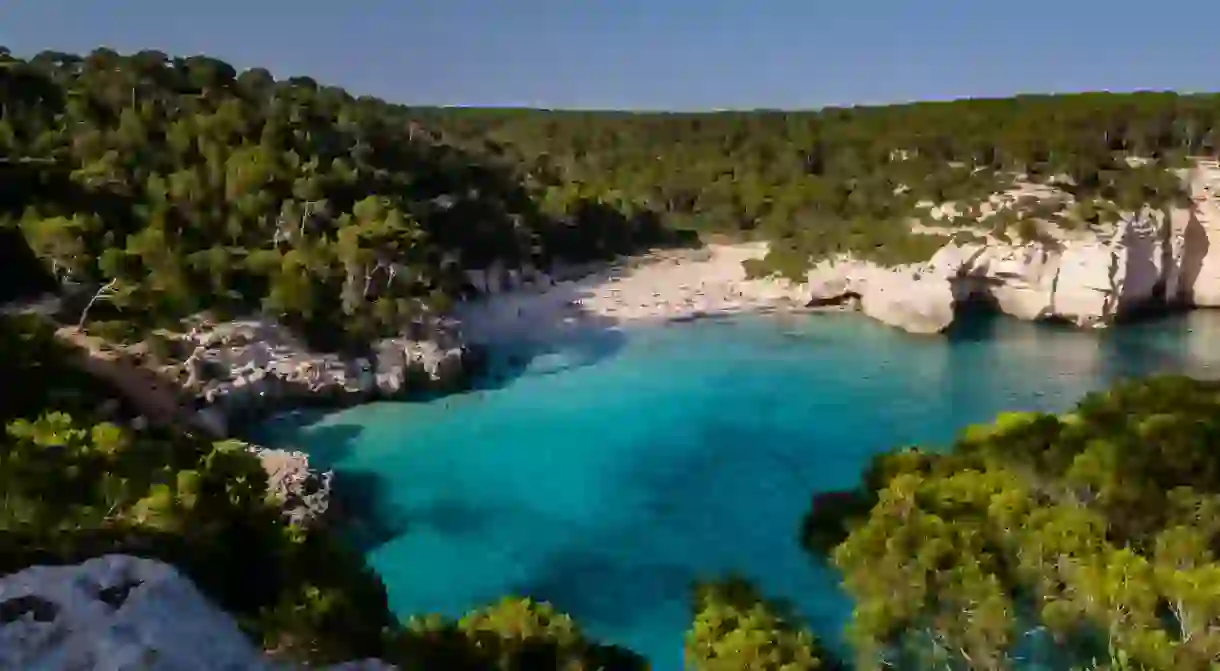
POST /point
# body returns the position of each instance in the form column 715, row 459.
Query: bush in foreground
column 1092, row 534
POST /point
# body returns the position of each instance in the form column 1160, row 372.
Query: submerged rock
column 121, row 613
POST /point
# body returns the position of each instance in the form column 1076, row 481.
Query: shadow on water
column 363, row 510
column 359, row 501
column 979, row 321
column 565, row 578
column 1149, row 343
column 369, row 518
column 547, row 336
column 1174, row 343
column 577, row 349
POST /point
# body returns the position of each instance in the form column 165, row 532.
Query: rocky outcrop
column 244, row 369
column 304, row 493
column 1200, row 233
column 435, row 363
column 121, row 613
column 1088, row 278
column 906, row 297
column 915, row 303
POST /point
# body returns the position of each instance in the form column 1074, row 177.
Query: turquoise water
column 615, row 469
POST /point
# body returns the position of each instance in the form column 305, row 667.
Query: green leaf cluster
column 735, row 627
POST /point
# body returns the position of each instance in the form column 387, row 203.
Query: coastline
column 240, row 372
column 657, row 288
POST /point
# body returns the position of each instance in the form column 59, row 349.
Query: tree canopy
column 193, row 187
column 196, row 187
column 1093, row 534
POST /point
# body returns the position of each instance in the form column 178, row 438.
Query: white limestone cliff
column 122, row 613
column 1088, row 278
column 1200, row 265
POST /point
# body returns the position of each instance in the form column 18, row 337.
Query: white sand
column 660, row 287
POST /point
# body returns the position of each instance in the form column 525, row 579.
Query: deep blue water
column 609, row 473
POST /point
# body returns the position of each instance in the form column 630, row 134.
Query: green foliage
column 736, row 628
column 193, row 187
column 848, row 179
column 197, row 188
column 1097, row 527
column 202, row 188
column 514, row 634
column 74, row 485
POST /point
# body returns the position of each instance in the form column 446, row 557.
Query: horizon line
column 900, row 102
column 609, row 109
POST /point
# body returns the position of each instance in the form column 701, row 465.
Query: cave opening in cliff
column 975, row 316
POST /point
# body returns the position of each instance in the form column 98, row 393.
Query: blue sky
column 660, row 54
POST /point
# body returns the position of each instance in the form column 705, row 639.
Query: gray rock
column 122, row 613
column 248, row 368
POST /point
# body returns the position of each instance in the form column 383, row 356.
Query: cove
column 616, row 467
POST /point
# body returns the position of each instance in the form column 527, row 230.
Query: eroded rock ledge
column 241, row 370
column 1148, row 259
column 303, row 492
column 122, row 613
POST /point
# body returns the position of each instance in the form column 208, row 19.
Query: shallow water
column 607, row 474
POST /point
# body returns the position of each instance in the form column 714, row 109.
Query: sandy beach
column 664, row 286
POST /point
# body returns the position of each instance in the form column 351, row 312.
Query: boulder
column 303, row 492
column 915, row 303
column 121, row 613
column 404, row 364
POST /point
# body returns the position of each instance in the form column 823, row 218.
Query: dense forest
column 181, row 185
column 191, row 186
column 816, row 184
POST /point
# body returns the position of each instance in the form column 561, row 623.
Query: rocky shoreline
column 1147, row 260
column 234, row 373
column 237, row 372
column 231, row 375
column 1087, row 274
column 241, row 371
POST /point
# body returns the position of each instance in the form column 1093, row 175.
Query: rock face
column 1088, row 278
column 250, row 367
column 1200, row 268
column 119, row 613
column 917, row 304
column 303, row 492
column 406, row 363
